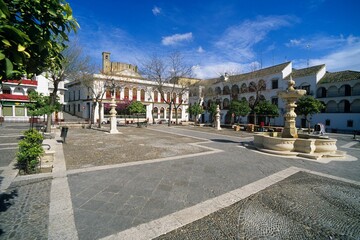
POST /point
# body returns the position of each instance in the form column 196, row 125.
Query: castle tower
column 106, row 64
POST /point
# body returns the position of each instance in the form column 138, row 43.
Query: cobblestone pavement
column 109, row 201
column 24, row 210
column 106, row 195
column 303, row 206
column 134, row 144
column 9, row 136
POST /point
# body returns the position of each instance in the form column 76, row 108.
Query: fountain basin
column 304, row 146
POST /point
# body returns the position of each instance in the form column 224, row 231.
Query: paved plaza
column 184, row 182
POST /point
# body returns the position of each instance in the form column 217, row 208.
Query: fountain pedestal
column 291, row 143
column 290, row 96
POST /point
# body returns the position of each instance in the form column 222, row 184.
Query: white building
column 339, row 91
column 131, row 86
column 14, row 96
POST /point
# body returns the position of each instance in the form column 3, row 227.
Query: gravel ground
column 88, row 147
column 303, row 206
column 24, row 210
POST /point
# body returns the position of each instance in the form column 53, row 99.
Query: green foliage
column 308, row 105
column 136, row 107
column 212, row 109
column 267, row 109
column 30, row 150
column 33, row 35
column 195, row 109
column 40, row 104
column 239, row 108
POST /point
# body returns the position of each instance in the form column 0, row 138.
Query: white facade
column 14, row 96
column 339, row 91
column 80, row 99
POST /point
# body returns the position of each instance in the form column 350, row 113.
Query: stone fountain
column 290, row 142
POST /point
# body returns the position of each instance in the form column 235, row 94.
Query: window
column 142, row 95
column 126, row 93
column 78, row 107
column 161, row 112
column 6, row 91
column 349, row 123
column 134, row 94
column 7, row 111
column 156, row 96
column 226, row 103
column 327, row 122
column 155, row 113
column 307, row 88
column 79, row 95
column 174, row 97
column 19, row 111
column 108, row 93
column 275, row 101
column 275, row 84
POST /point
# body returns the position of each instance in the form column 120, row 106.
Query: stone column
column 217, row 118
column 113, row 123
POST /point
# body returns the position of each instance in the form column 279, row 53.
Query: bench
column 142, row 124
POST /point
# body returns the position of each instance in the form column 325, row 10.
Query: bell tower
column 106, row 64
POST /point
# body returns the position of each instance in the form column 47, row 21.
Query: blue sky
column 223, row 36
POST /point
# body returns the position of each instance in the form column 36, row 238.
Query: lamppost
column 113, row 127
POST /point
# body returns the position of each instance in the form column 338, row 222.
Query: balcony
column 22, row 82
column 7, row 96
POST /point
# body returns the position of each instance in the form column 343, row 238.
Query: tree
column 39, row 105
column 212, row 110
column 267, row 109
column 239, row 108
column 254, row 100
column 73, row 65
column 33, row 35
column 137, row 108
column 97, row 87
column 196, row 110
column 307, row 106
column 166, row 73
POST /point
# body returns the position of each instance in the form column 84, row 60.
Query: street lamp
column 113, row 127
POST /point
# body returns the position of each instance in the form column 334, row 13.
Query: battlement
column 115, row 67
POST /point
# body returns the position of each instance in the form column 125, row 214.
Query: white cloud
column 212, row 70
column 200, row 50
column 176, row 38
column 345, row 58
column 156, row 10
column 239, row 40
column 321, row 42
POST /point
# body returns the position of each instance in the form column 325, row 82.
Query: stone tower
column 106, row 64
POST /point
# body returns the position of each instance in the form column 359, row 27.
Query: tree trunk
column 176, row 116
column 52, row 102
column 93, row 119
column 170, row 112
column 99, row 113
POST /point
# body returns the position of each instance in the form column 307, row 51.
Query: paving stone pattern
column 110, row 201
column 135, row 144
column 24, row 210
column 303, row 206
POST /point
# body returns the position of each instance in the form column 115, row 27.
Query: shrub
column 30, row 151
